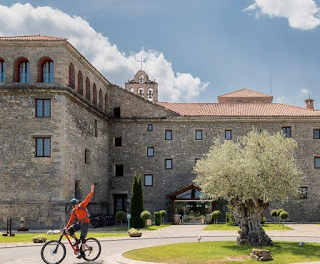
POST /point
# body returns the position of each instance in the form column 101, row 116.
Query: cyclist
column 80, row 212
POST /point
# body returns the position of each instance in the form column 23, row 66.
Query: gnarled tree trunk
column 248, row 215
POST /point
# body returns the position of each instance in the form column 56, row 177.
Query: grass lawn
column 229, row 227
column 221, row 252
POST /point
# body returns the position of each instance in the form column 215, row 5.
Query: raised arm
column 87, row 199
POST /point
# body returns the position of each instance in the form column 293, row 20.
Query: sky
column 195, row 49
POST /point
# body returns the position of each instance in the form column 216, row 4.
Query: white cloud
column 304, row 92
column 301, row 14
column 117, row 66
column 281, row 99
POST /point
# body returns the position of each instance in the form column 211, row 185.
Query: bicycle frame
column 75, row 248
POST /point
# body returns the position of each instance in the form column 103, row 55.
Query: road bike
column 54, row 251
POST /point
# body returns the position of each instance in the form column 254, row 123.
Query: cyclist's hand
column 65, row 229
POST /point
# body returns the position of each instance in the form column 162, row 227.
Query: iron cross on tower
column 141, row 61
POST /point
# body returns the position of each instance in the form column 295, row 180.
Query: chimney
column 309, row 103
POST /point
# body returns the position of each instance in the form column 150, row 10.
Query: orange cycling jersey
column 81, row 212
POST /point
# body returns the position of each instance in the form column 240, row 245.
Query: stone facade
column 83, row 133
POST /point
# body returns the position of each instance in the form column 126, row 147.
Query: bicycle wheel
column 93, row 249
column 53, row 252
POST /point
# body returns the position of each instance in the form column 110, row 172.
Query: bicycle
column 54, row 251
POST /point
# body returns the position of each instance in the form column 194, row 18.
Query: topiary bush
column 215, row 215
column 157, row 218
column 163, row 215
column 39, row 239
column 284, row 215
column 274, row 212
column 120, row 216
column 145, row 215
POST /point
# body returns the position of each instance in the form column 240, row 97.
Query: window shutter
column 27, row 72
column 51, row 72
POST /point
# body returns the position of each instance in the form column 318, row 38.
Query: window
column 100, row 99
column 116, row 112
column 43, row 147
column 47, row 72
column 71, row 76
column 96, row 128
column 168, row 135
column 77, row 189
column 43, row 107
column 141, row 79
column 317, row 162
column 149, row 127
column 150, row 94
column 140, row 92
column 94, row 94
column 87, row 88
column 228, row 134
column 198, row 134
column 286, row 131
column 87, row 156
column 150, row 151
column 119, row 170
column 303, row 192
column 168, row 163
column 2, row 71
column 316, row 133
column 80, row 83
column 148, row 180
column 131, row 90
column 118, row 141
column 24, row 72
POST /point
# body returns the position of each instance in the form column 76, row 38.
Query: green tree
column 120, row 216
column 136, row 203
column 250, row 173
column 145, row 215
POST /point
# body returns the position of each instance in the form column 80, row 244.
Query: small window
column 43, row 147
column 149, row 127
column 317, row 162
column 118, row 141
column 168, row 163
column 228, row 134
column 2, row 71
column 198, row 134
column 316, row 133
column 43, row 107
column 168, row 135
column 116, row 112
column 150, row 94
column 141, row 79
column 141, row 92
column 148, row 180
column 286, row 131
column 96, row 128
column 303, row 192
column 48, row 72
column 24, row 72
column 119, row 170
column 150, row 151
column 87, row 156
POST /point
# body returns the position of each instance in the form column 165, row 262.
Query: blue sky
column 217, row 41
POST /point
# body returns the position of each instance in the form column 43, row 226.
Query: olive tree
column 250, row 173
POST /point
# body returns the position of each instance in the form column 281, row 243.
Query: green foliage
column 157, row 218
column 215, row 215
column 280, row 211
column 263, row 220
column 39, row 239
column 120, row 216
column 274, row 212
column 163, row 213
column 284, row 215
column 145, row 215
column 134, row 232
column 136, row 203
column 230, row 216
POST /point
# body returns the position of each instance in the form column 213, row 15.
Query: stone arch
column 21, row 70
column 46, row 70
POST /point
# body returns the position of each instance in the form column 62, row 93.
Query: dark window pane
column 39, row 108
column 116, row 112
column 149, row 127
column 168, row 163
column 46, row 108
column 316, row 134
column 39, row 147
column 198, row 134
column 148, row 180
column 228, row 134
column 317, row 162
column 303, row 193
column 118, row 142
column 150, row 152
column 286, row 131
column 119, row 170
column 168, row 134
column 47, row 147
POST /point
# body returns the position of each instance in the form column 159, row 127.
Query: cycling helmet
column 73, row 201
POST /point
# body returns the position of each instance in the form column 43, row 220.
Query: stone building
column 65, row 126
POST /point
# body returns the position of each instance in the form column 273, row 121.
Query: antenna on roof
column 270, row 82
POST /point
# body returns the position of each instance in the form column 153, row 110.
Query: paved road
column 112, row 248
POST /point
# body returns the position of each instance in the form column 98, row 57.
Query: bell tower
column 142, row 86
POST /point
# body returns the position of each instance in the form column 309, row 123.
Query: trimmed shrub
column 280, row 211
column 39, row 239
column 145, row 215
column 284, row 215
column 134, row 233
column 136, row 203
column 120, row 216
column 157, row 218
column 274, row 212
column 163, row 215
column 215, row 215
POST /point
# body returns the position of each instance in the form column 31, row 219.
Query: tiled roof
column 245, row 93
column 238, row 109
column 32, row 38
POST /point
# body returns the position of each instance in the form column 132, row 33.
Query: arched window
column 150, row 94
column 21, row 70
column 2, row 71
column 87, row 88
column 80, row 83
column 46, row 70
column 140, row 92
column 71, row 76
column 100, row 99
column 141, row 79
column 105, row 102
column 94, row 94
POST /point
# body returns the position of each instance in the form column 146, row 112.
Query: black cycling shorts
column 84, row 227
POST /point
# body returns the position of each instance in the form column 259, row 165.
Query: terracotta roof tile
column 238, row 109
column 245, row 93
column 32, row 38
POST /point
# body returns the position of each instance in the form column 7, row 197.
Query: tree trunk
column 248, row 215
